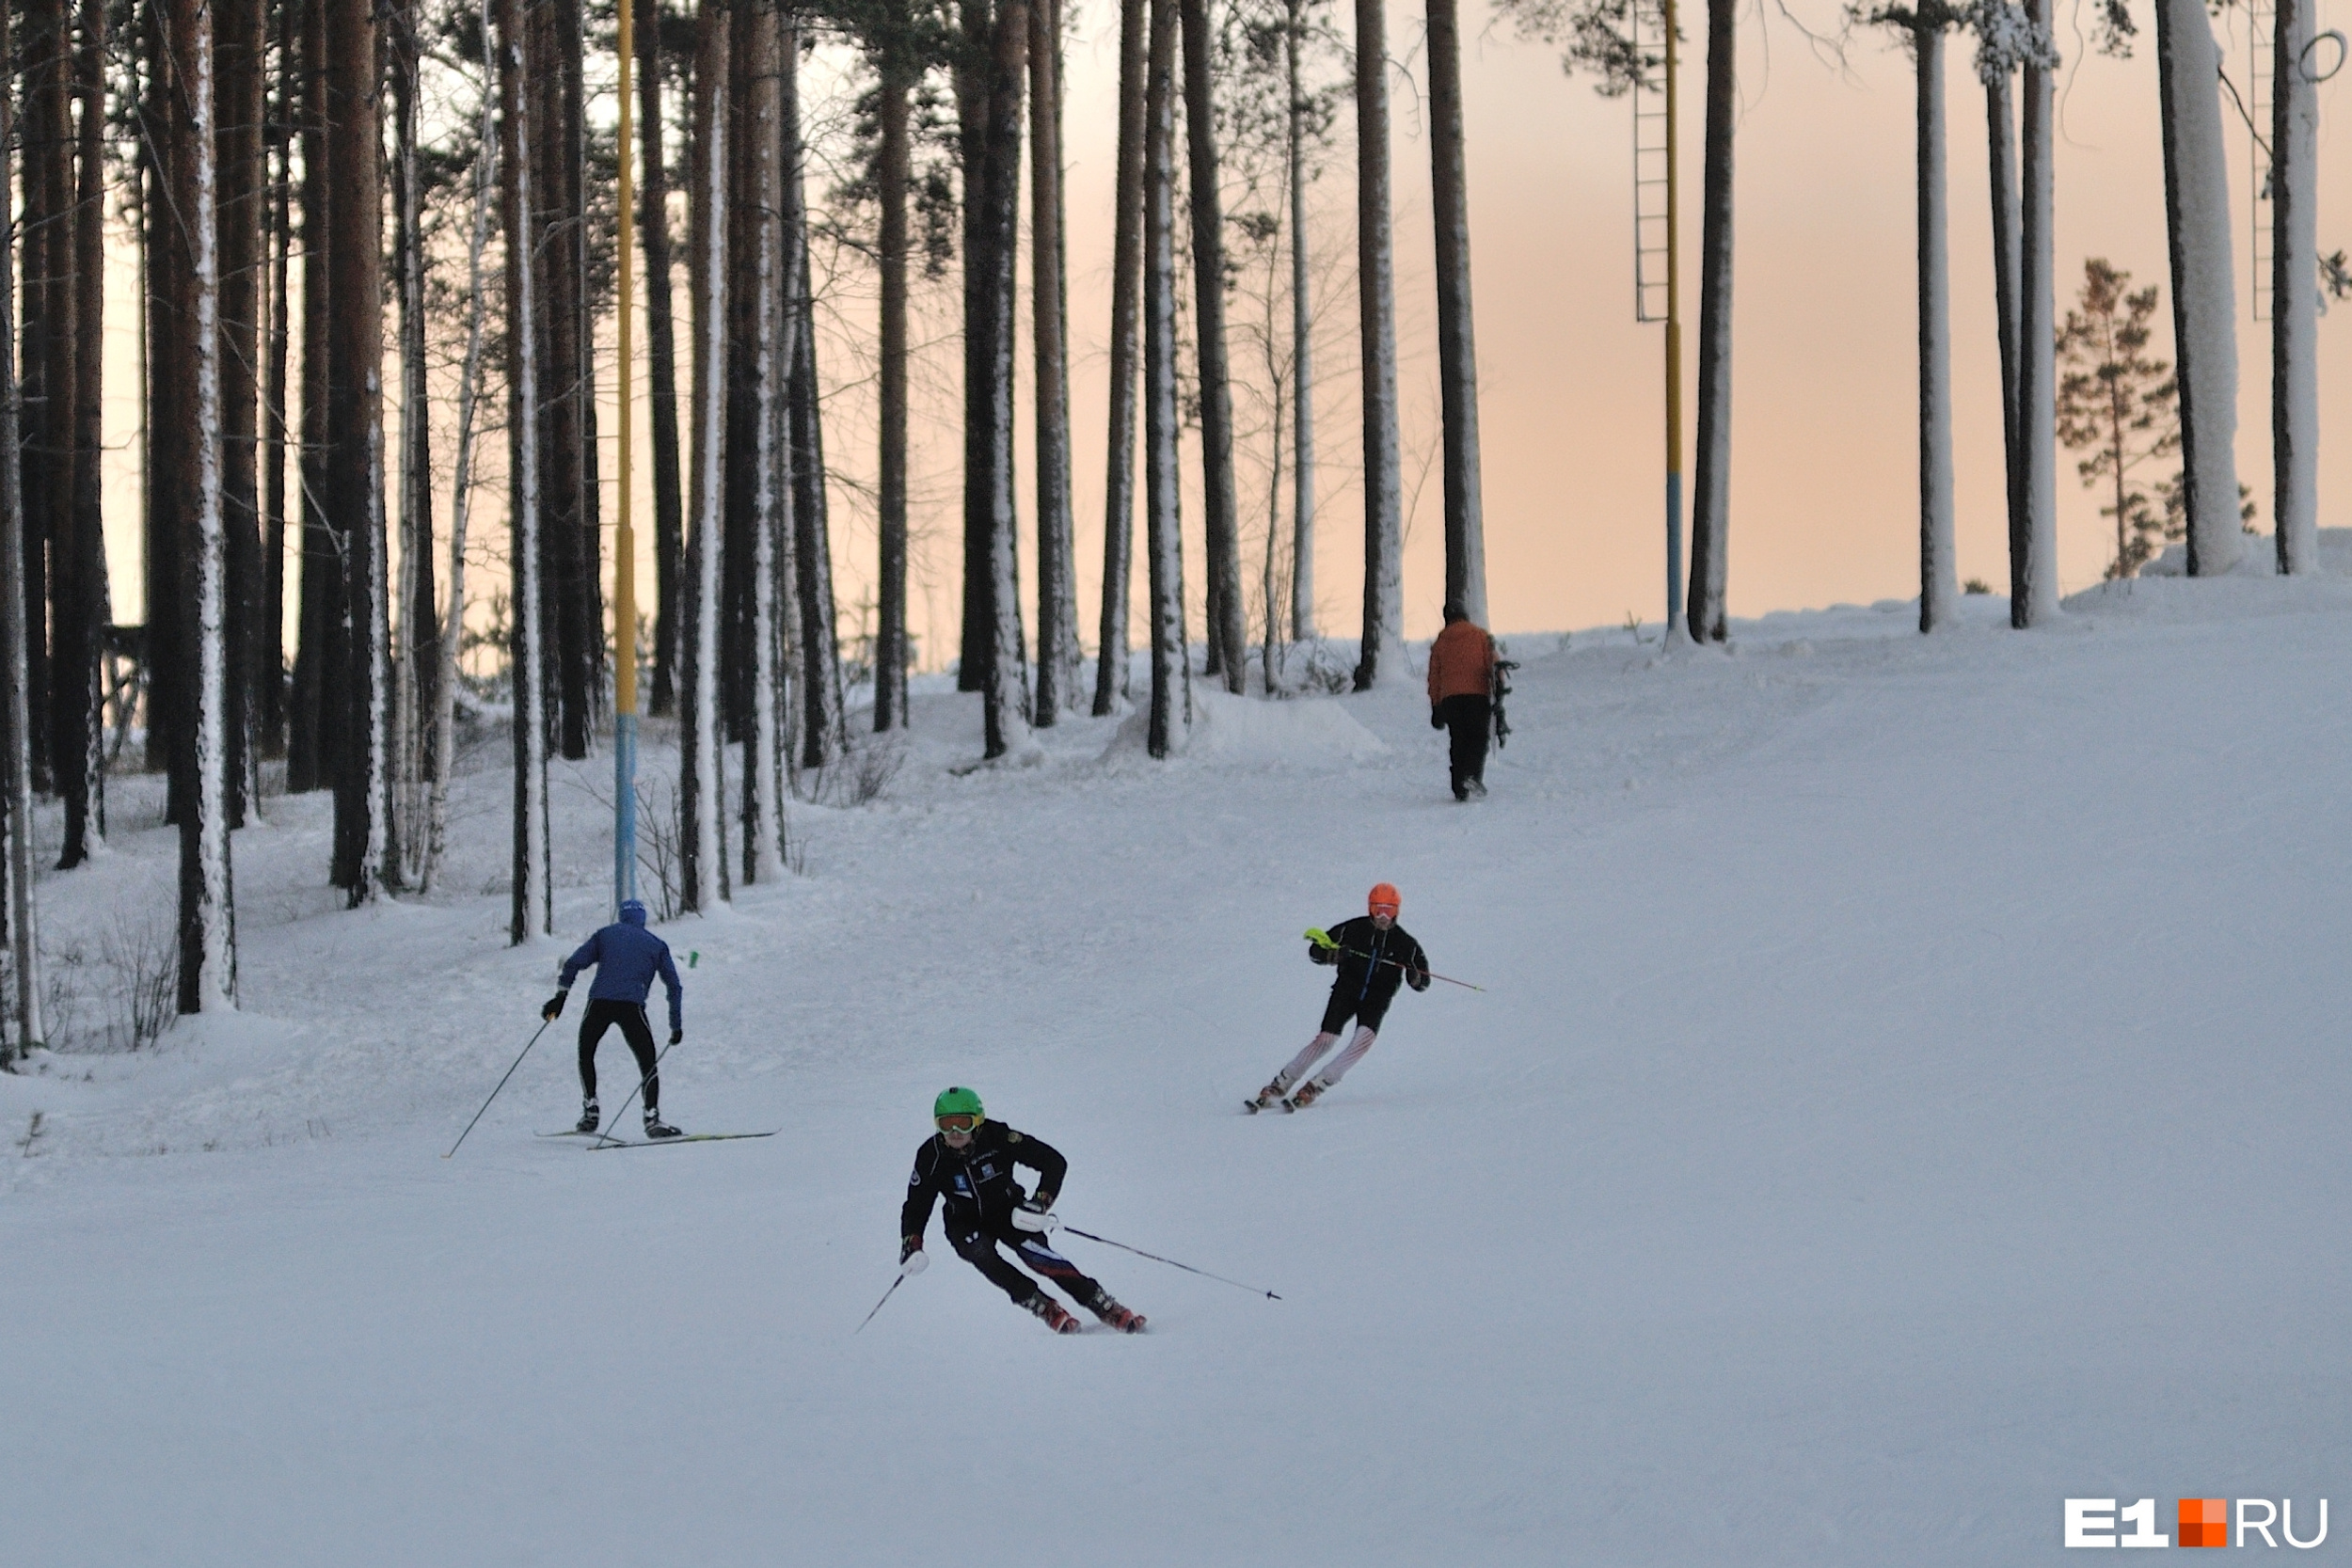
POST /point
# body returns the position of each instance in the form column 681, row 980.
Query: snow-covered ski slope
column 1911, row 1090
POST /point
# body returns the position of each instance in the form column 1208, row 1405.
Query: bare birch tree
column 531, row 912
column 1057, row 541
column 702, row 855
column 1375, row 273
column 1171, row 718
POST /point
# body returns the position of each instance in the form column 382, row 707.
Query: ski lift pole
column 625, row 535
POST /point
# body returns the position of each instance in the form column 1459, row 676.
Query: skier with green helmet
column 968, row 1164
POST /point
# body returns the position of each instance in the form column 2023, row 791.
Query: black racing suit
column 976, row 1183
column 1372, row 963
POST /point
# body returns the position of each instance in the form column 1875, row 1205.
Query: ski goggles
column 960, row 1121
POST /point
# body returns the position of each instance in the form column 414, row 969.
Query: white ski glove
column 1034, row 1219
column 914, row 1262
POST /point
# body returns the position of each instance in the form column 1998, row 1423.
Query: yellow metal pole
column 625, row 536
column 1674, row 342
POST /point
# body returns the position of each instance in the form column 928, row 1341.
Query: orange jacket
column 1461, row 662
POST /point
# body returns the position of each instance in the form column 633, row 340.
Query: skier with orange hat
column 1374, row 956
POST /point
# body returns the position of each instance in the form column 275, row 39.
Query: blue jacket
column 626, row 957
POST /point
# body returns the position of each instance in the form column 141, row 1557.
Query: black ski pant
column 1466, row 720
column 631, row 1015
column 1367, row 1010
column 978, row 1248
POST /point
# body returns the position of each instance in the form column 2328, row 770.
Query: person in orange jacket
column 1461, row 688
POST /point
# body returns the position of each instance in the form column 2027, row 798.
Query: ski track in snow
column 1908, row 1093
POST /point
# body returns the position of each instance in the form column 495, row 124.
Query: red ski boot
column 1051, row 1310
column 1116, row 1316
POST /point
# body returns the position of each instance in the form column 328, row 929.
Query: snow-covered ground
column 1910, row 1090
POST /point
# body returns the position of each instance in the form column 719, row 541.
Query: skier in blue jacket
column 626, row 957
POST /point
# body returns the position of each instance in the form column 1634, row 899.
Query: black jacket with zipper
column 1372, row 962
column 976, row 1181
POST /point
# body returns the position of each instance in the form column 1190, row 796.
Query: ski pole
column 1322, row 938
column 494, row 1093
column 914, row 1265
column 1171, row 1262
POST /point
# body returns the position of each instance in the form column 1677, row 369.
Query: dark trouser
column 1368, row 1011
column 1466, row 720
column 631, row 1015
column 978, row 1248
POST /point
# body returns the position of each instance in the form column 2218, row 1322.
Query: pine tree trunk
column 569, row 547
column 1163, row 535
column 1111, row 673
column 171, row 374
column 530, row 911
column 2033, row 597
column 1302, row 348
column 1376, row 283
column 1710, row 499
column 818, row 692
column 15, row 761
column 761, row 225
column 1939, row 575
column 2196, row 230
column 2001, row 148
column 51, row 340
column 354, row 419
column 1005, row 695
column 240, row 54
column 78, row 609
column 653, row 227
column 892, row 170
column 977, row 641
column 2295, row 293
column 702, row 856
column 270, row 645
column 420, row 624
column 1457, row 348
column 1227, row 636
column 314, row 754
column 1057, row 540
column 208, row 943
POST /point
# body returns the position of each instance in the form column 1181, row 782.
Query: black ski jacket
column 1372, row 962
column 977, row 1179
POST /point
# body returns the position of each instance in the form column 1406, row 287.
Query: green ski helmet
column 957, row 1100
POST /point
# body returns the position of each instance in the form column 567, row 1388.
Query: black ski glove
column 909, row 1246
column 555, row 1005
column 677, row 1034
column 1323, row 955
column 1417, row 979
column 1436, row 720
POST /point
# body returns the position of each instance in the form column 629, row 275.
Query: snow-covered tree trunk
column 1302, row 614
column 762, row 151
column 78, row 615
column 461, row 499
column 1711, row 494
column 2295, row 292
column 701, row 792
column 1376, row 283
column 1457, row 348
column 2033, row 570
column 1228, row 634
column 1939, row 573
column 2197, row 232
column 1004, row 695
column 1110, row 673
column 530, row 913
column 208, row 943
column 1164, row 539
column 239, row 44
column 419, row 662
column 15, row 757
column 1057, row 538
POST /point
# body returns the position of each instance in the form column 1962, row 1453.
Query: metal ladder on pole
column 1650, row 142
column 2260, row 19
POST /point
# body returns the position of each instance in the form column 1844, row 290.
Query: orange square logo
column 2204, row 1522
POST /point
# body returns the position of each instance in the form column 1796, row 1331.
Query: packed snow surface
column 1909, row 1090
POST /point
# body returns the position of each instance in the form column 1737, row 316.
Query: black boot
column 589, row 1116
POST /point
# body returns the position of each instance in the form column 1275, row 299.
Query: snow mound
column 1302, row 730
column 2163, row 591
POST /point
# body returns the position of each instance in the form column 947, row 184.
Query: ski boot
column 656, row 1128
column 1051, row 1310
column 590, row 1117
column 1116, row 1316
column 1477, row 789
column 1307, row 1094
column 1271, row 1095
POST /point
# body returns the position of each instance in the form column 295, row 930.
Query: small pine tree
column 2122, row 405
